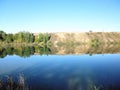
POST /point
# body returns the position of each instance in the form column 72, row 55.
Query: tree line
column 24, row 37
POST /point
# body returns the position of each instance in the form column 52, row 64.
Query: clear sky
column 59, row 15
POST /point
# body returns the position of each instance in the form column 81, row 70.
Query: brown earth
column 82, row 43
column 85, row 37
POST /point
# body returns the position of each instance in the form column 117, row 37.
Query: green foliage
column 2, row 36
column 6, row 37
column 9, row 38
column 41, row 37
column 44, row 37
column 32, row 38
column 95, row 43
column 24, row 37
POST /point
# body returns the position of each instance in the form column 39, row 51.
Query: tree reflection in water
column 73, row 84
column 10, row 84
column 27, row 51
column 24, row 51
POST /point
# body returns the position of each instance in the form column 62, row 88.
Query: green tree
column 32, row 38
column 9, row 38
column 41, row 37
column 2, row 36
column 20, row 37
column 46, row 38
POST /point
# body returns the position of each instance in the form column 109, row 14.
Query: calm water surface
column 61, row 72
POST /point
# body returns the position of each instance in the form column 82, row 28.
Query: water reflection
column 10, row 84
column 73, row 84
column 24, row 51
column 77, row 84
column 27, row 51
column 59, row 72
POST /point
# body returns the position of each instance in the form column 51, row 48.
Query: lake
column 60, row 72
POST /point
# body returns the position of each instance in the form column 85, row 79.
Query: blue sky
column 59, row 15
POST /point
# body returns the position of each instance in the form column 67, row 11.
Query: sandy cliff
column 87, row 42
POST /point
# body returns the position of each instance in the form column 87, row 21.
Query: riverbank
column 61, row 38
column 86, row 38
